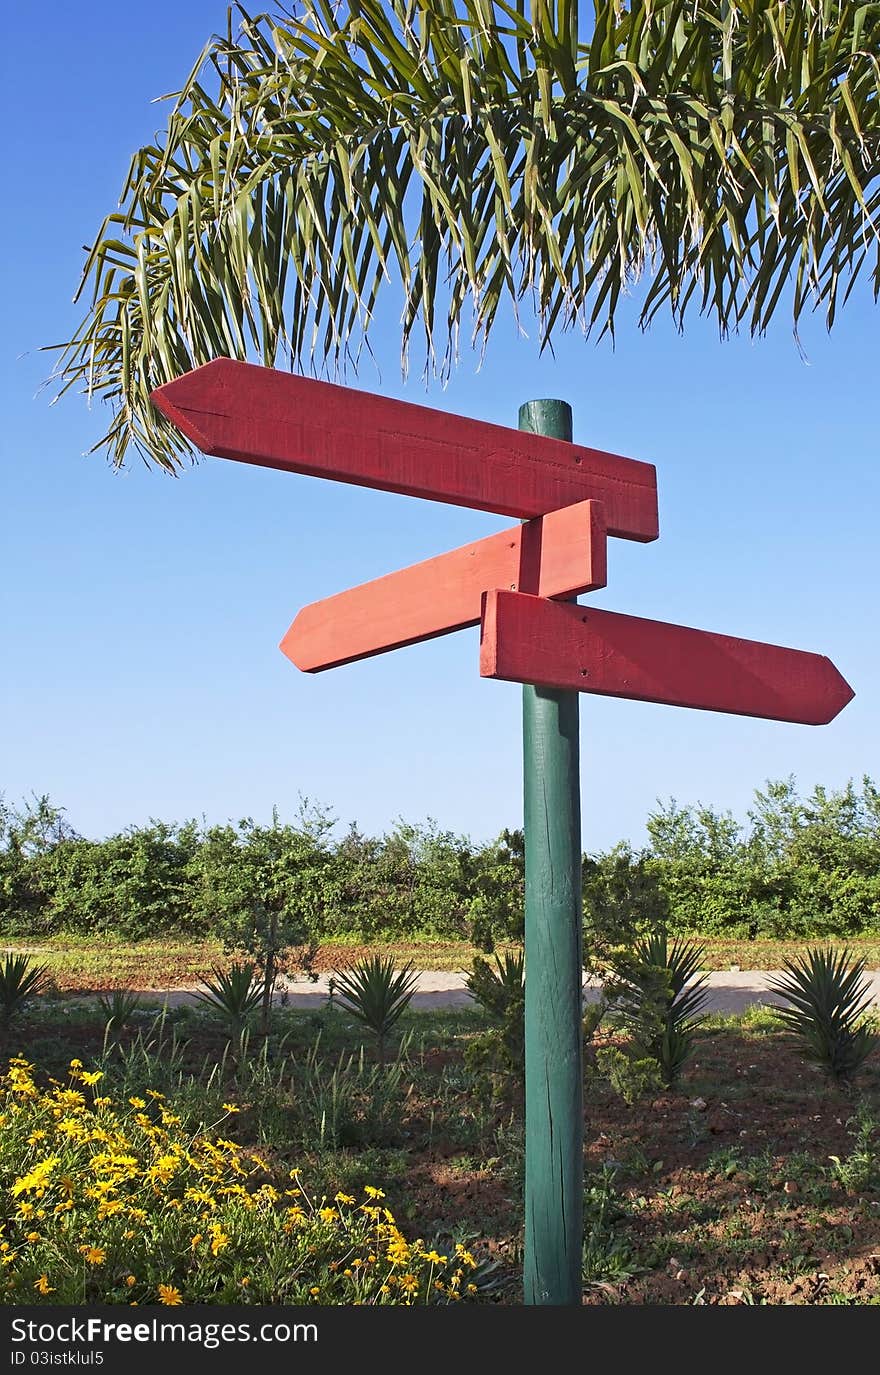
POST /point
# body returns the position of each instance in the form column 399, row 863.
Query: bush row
column 805, row 867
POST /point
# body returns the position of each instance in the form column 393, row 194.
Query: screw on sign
column 518, row 585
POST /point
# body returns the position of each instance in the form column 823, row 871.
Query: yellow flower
column 314, row 1289
column 43, row 1285
column 94, row 1255
column 373, row 1193
column 32, row 1236
column 409, row 1284
column 219, row 1238
column 465, row 1256
column 92, row 1077
column 37, row 1179
column 436, row 1259
column 138, row 1102
column 194, row 1241
column 245, row 1281
column 130, row 1281
column 398, row 1250
column 36, row 1136
column 70, row 1098
column 344, row 1198
column 170, row 1296
column 327, row 1214
column 230, row 1107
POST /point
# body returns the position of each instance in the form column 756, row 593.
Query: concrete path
column 729, row 991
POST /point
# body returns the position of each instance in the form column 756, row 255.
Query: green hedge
column 799, row 866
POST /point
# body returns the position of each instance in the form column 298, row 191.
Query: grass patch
column 86, row 963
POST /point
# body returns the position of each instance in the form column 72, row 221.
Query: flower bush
column 115, row 1202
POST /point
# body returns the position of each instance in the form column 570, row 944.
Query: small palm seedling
column 20, row 980
column 376, row 995
column 658, row 995
column 118, row 1007
column 234, row 994
column 827, row 999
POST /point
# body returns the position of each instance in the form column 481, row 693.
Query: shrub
column 115, row 1202
column 500, row 991
column 119, row 1007
column 655, row 993
column 234, row 994
column 20, row 980
column 377, row 996
column 827, row 999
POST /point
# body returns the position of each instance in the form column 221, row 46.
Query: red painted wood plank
column 558, row 555
column 278, row 420
column 530, row 640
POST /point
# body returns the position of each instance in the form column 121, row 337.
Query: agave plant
column 826, row 999
column 658, row 994
column 376, row 995
column 20, row 980
column 235, row 995
column 118, row 1007
column 500, row 989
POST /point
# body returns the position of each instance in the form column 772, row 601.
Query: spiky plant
column 376, row 995
column 476, row 152
column 827, row 999
column 658, row 994
column 501, row 988
column 20, row 981
column 118, row 1007
column 234, row 994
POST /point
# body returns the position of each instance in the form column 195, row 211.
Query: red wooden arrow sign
column 278, row 420
column 556, row 645
column 557, row 555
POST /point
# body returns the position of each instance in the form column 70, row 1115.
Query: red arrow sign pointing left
column 557, row 645
column 557, row 555
column 278, row 420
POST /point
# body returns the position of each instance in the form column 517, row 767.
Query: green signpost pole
column 554, row 1166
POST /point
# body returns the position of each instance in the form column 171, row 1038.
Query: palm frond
column 724, row 153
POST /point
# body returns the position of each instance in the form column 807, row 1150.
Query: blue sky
column 140, row 615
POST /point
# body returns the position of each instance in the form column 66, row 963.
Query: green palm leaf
column 723, row 154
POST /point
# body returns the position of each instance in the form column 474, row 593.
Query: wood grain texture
column 278, row 420
column 560, row 554
column 528, row 639
column 554, row 1115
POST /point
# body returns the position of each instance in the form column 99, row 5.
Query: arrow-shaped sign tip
column 840, row 694
column 174, row 401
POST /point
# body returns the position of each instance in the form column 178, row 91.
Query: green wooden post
column 554, row 1167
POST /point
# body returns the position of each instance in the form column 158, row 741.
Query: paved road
column 729, row 990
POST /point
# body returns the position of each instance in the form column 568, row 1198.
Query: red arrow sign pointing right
column 558, row 645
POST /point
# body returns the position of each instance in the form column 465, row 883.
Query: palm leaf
column 720, row 155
